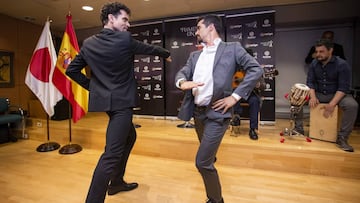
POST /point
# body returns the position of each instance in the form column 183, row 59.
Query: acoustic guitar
column 239, row 76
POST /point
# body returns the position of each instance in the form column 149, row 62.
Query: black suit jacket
column 110, row 56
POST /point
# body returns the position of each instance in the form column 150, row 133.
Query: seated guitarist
column 254, row 102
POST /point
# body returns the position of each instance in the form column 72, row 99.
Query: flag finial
column 48, row 19
column 69, row 13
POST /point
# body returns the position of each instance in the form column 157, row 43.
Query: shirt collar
column 332, row 60
column 214, row 47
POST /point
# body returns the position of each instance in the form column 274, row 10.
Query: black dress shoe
column 113, row 189
column 253, row 135
column 213, row 201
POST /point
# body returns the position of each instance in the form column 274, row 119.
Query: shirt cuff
column 236, row 96
column 178, row 82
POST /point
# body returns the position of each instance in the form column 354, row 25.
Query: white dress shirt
column 204, row 73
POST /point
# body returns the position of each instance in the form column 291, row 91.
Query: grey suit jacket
column 229, row 58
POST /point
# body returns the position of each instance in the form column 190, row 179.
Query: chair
column 10, row 115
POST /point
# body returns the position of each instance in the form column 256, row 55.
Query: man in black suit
column 206, row 79
column 112, row 89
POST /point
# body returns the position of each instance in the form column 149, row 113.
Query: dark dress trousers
column 112, row 89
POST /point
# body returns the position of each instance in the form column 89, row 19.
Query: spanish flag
column 72, row 91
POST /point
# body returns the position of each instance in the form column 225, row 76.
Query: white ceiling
column 36, row 11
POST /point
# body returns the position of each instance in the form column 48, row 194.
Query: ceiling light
column 87, row 8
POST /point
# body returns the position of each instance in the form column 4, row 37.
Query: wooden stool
column 322, row 128
column 235, row 129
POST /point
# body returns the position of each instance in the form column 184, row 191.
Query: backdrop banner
column 256, row 31
column 180, row 39
column 149, row 71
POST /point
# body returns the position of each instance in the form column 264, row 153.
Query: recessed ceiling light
column 87, row 8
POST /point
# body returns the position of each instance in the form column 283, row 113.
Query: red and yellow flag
column 72, row 91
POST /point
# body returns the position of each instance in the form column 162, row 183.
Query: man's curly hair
column 112, row 8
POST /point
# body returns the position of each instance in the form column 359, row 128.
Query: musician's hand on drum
column 225, row 104
column 313, row 102
column 328, row 110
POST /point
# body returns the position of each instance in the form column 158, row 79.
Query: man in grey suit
column 112, row 87
column 207, row 81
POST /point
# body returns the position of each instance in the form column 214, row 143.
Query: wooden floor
column 162, row 162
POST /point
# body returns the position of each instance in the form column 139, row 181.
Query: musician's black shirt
column 334, row 76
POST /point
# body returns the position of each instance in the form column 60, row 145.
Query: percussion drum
column 299, row 94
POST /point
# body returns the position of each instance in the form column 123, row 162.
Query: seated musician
column 329, row 79
column 254, row 102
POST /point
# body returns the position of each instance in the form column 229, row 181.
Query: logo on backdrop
column 146, row 33
column 190, row 31
column 157, row 77
column 266, row 55
column 146, row 59
column 156, row 59
column 266, row 23
column 147, row 87
column 157, row 87
column 251, row 35
column 175, row 45
column 156, row 32
column 146, row 69
column 252, row 24
column 267, row 44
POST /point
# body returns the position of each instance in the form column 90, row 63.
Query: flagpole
column 70, row 148
column 44, row 52
column 68, row 50
column 48, row 146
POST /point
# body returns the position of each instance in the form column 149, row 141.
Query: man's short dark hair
column 212, row 19
column 325, row 42
column 112, row 8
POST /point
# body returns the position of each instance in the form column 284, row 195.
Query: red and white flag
column 40, row 71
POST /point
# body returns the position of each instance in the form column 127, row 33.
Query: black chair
column 10, row 115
